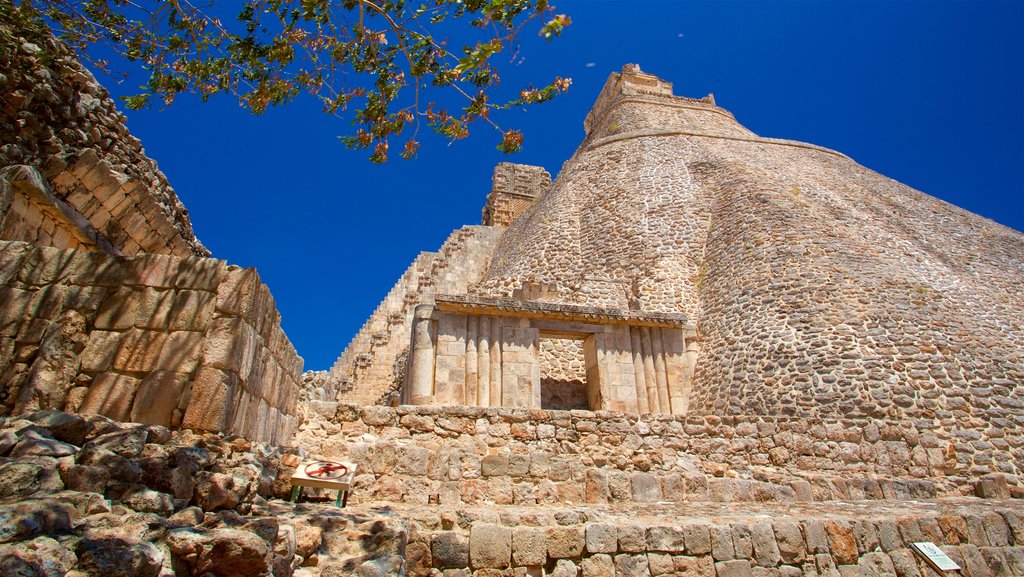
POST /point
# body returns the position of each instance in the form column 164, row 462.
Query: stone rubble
column 91, row 497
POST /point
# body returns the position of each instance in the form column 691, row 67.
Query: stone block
column 842, row 541
column 190, row 310
column 449, row 550
column 494, row 465
column 645, row 488
column 876, row 564
column 11, row 254
column 413, row 461
column 600, row 565
column 666, row 539
column 741, row 541
column 631, row 566
column 565, row 542
column 490, row 545
column 210, row 406
column 230, row 345
column 766, row 550
column 698, row 539
column 139, row 351
column 153, row 270
column 159, row 395
column 180, row 352
column 734, row 568
column 721, row 543
column 529, row 546
column 43, row 266
column 661, row 564
column 817, row 537
column 791, row 542
column 565, row 568
column 111, row 395
column 198, row 273
column 601, row 538
column 14, row 308
column 237, row 293
column 98, row 355
column 596, row 487
column 632, row 538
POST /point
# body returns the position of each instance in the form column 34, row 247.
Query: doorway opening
column 563, row 373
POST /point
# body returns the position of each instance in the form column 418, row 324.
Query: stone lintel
column 562, row 312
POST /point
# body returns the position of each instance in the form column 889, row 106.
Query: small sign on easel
column 935, row 558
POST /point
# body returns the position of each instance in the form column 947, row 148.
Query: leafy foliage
column 383, row 64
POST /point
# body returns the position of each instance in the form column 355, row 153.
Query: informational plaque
column 935, row 557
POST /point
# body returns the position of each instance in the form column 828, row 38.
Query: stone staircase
column 495, row 491
column 366, row 372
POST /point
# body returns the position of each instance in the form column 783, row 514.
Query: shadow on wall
column 131, row 339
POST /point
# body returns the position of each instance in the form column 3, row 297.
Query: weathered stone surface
column 22, row 521
column 158, row 397
column 217, row 491
column 631, row 565
column 666, row 539
column 490, row 546
column 601, row 538
column 600, row 565
column 565, row 542
column 127, row 443
column 110, row 556
column 38, row 442
column 449, row 550
column 222, row 552
column 529, row 546
column 19, row 479
column 39, row 557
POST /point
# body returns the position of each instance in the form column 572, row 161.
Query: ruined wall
column 473, row 456
column 54, row 116
column 154, row 339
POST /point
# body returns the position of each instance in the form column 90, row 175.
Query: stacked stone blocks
column 155, row 339
column 532, row 457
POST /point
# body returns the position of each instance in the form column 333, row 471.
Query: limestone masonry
column 696, row 352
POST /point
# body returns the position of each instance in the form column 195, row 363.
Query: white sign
column 935, row 556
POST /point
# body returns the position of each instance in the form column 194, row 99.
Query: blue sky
column 929, row 93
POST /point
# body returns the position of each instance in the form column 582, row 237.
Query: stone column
column 421, row 369
column 483, row 363
column 638, row 372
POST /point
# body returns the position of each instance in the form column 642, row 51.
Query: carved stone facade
column 487, row 353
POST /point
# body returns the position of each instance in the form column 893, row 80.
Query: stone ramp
column 712, row 539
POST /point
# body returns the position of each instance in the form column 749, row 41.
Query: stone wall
column 154, row 339
column 984, row 539
column 476, row 456
column 563, row 374
column 372, row 368
column 58, row 119
column 514, row 188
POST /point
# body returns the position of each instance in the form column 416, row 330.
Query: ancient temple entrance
column 507, row 353
column 563, row 372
